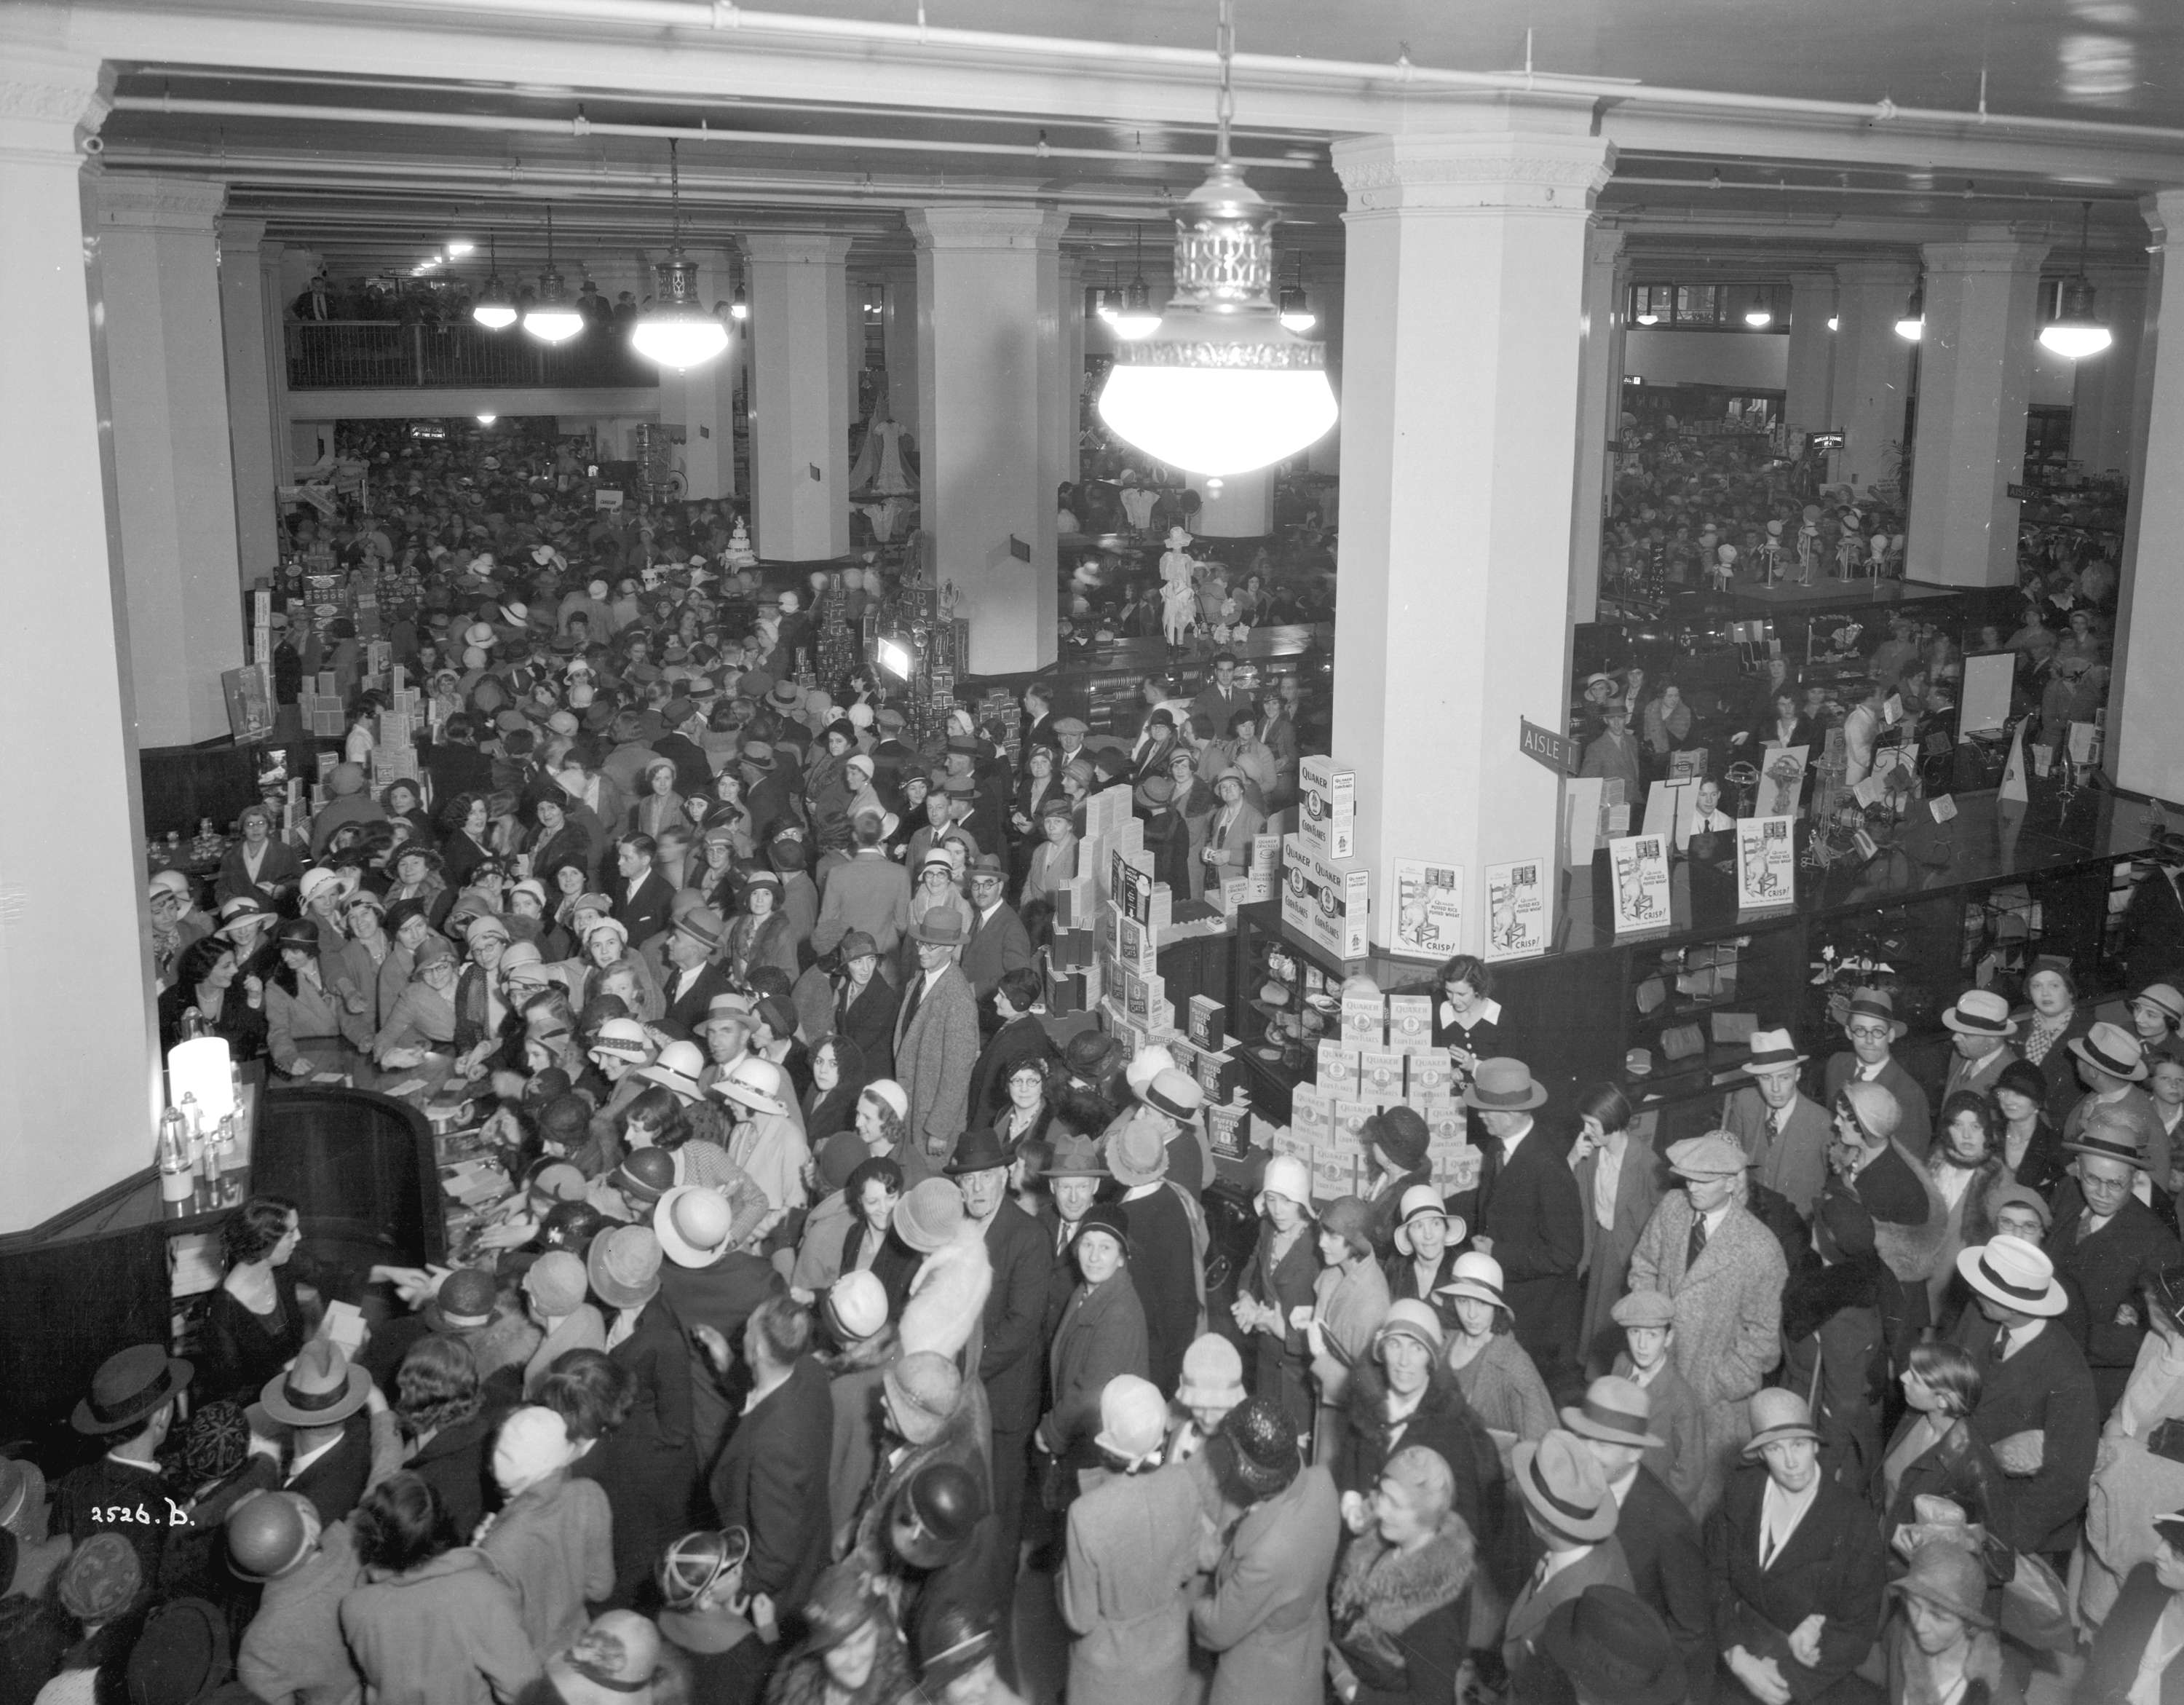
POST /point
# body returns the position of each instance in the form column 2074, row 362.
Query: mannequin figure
column 1178, row 593
column 1770, row 554
column 1808, row 546
column 1723, row 569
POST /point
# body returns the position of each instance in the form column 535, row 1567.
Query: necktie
column 2000, row 1342
column 1490, row 1171
column 1695, row 1246
column 909, row 1005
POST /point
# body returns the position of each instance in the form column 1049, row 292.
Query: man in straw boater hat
column 1571, row 1514
column 1873, row 1028
column 1660, row 1541
column 2037, row 1410
column 1725, row 1271
column 1981, row 1026
column 2104, row 1239
column 1798, row 1564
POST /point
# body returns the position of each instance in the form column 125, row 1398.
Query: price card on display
column 1766, row 863
column 1429, row 905
column 1516, row 909
column 1640, row 867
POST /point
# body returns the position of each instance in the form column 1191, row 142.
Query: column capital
column 1998, row 254
column 150, row 201
column 982, row 225
column 1465, row 171
column 1899, row 274
column 1809, row 281
column 238, row 235
column 2163, row 214
column 1603, row 247
column 797, row 248
column 51, row 103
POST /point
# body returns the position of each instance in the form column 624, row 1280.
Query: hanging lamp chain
column 674, row 196
column 1225, row 107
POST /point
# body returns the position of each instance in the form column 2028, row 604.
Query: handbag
column 1681, row 1041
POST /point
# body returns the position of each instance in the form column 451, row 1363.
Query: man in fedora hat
column 1528, row 1215
column 1566, row 1503
column 2037, row 1410
column 131, row 1402
column 1660, row 1541
column 936, row 1045
column 1873, row 1028
column 694, row 976
column 1011, row 1357
column 1798, row 1564
column 1980, row 1027
column 2112, row 1065
column 998, row 943
column 1725, row 1271
column 2103, row 1239
column 1785, row 1133
column 321, row 1398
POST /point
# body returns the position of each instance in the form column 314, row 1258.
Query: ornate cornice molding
column 1487, row 170
column 148, row 201
column 50, row 104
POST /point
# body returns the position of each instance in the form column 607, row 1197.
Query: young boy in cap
column 1648, row 1320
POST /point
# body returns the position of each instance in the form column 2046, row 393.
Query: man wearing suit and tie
column 1786, row 1134
column 643, row 900
column 1660, row 1541
column 998, row 942
column 693, row 976
column 1566, row 1502
column 1797, row 1565
column 1529, row 1215
column 2103, row 1240
column 2036, row 1409
column 936, row 1047
column 1873, row 1028
column 1982, row 1025
column 1725, row 1271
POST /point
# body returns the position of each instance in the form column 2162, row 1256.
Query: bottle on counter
column 178, row 1181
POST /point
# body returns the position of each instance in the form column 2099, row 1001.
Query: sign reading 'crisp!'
column 1559, row 752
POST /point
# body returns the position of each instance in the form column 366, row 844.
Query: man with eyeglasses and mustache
column 1872, row 1026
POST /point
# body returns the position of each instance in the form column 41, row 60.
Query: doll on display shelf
column 1848, row 549
column 1809, row 544
column 1722, row 570
column 1178, row 589
column 1877, row 562
column 1770, row 553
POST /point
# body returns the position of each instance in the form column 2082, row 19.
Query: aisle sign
column 1639, row 866
column 1559, row 752
column 1516, row 909
column 1766, row 863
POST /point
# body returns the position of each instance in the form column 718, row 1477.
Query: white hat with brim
column 1285, row 1177
column 2011, row 1272
column 1772, row 1051
column 1418, row 1202
column 1980, row 1012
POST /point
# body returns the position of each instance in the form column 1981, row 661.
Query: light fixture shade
column 494, row 309
column 1297, row 309
column 1110, row 305
column 551, row 320
column 1222, row 386
column 1647, row 320
column 1758, row 318
column 2076, row 332
column 676, row 331
column 1136, row 317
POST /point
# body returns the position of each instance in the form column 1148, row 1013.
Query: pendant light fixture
column 2076, row 332
column 1110, row 302
column 1136, row 317
column 739, row 305
column 1221, row 386
column 1912, row 323
column 494, row 309
column 675, row 331
column 551, row 318
column 1296, row 307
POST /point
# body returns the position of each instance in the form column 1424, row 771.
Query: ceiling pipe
column 402, row 118
column 1199, row 66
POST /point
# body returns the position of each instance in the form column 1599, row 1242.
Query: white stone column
column 274, row 331
column 989, row 346
column 799, row 409
column 904, row 394
column 1975, row 375
column 249, row 394
column 78, row 1061
column 2104, row 393
column 1453, row 570
column 1872, row 366
column 175, row 475
column 1324, row 292
column 702, row 400
column 1069, row 287
column 1599, row 407
column 2142, row 753
column 1807, row 396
